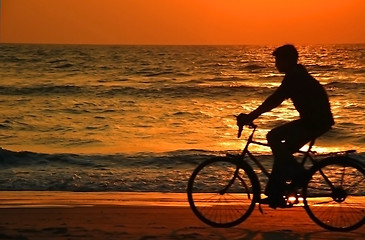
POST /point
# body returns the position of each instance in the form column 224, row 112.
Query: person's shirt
column 308, row 96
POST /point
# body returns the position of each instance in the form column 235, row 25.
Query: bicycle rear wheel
column 222, row 192
column 334, row 197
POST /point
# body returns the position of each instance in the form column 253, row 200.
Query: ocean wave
column 24, row 158
column 66, row 65
column 214, row 88
column 115, row 172
column 336, row 68
column 210, row 91
column 183, row 90
column 252, row 67
column 346, row 85
column 321, row 67
column 40, row 90
column 163, row 172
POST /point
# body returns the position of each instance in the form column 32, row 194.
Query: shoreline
column 29, row 199
column 110, row 215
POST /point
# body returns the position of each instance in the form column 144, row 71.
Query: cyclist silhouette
column 311, row 101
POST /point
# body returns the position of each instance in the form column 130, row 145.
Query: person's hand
column 242, row 120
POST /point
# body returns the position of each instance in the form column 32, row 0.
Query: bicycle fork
column 235, row 176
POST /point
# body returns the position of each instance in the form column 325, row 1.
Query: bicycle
column 223, row 191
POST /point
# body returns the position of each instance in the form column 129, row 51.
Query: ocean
column 140, row 118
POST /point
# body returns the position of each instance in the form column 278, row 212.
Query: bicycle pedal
column 293, row 199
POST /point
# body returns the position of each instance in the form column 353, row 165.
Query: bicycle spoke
column 222, row 197
column 354, row 213
column 334, row 197
column 245, row 185
column 343, row 175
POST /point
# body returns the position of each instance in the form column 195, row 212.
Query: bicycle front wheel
column 222, row 191
column 334, row 197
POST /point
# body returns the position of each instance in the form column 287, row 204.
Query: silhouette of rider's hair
column 286, row 52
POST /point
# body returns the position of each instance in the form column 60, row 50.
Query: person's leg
column 284, row 141
column 277, row 139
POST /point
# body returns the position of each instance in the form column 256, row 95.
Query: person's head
column 286, row 57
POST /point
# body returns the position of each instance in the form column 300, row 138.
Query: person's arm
column 270, row 103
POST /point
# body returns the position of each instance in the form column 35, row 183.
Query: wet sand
column 64, row 215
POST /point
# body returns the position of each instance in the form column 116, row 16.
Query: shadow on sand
column 245, row 234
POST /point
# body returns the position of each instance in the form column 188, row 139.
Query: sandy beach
column 68, row 215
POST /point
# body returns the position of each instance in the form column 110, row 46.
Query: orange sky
column 183, row 21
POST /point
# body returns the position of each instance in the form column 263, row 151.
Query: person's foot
column 300, row 177
column 274, row 202
column 296, row 175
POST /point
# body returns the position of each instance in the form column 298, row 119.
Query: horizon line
column 179, row 44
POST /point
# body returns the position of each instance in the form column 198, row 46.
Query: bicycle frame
column 250, row 140
column 307, row 155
